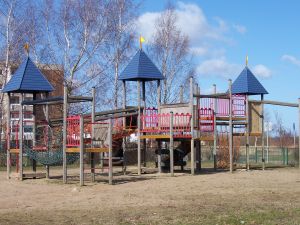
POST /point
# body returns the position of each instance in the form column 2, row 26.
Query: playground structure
column 189, row 123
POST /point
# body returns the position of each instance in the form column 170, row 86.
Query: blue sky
column 223, row 32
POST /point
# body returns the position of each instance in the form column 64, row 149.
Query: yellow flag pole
column 141, row 42
column 247, row 60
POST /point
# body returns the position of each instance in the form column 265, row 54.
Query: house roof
column 247, row 83
column 28, row 79
column 141, row 68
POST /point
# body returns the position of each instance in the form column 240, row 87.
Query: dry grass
column 256, row 197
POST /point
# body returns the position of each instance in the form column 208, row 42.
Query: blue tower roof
column 141, row 68
column 247, row 83
column 28, row 79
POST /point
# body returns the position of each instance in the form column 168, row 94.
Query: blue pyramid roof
column 141, row 68
column 28, row 79
column 247, row 83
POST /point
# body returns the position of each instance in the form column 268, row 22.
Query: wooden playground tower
column 197, row 120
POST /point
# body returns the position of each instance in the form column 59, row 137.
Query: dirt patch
column 255, row 197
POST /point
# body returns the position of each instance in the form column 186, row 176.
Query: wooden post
column 65, row 111
column 247, row 133
column 299, row 133
column 8, row 137
column 93, row 134
column 110, row 166
column 47, row 119
column 263, row 133
column 34, row 132
column 181, row 94
column 81, row 133
column 139, row 128
column 144, row 112
column 215, row 128
column 192, row 126
column 21, row 138
column 124, row 126
column 158, row 142
column 171, row 148
column 230, row 128
column 198, row 142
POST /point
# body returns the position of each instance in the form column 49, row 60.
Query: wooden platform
column 90, row 150
column 155, row 136
column 244, row 134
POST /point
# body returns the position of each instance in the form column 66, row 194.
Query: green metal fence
column 273, row 155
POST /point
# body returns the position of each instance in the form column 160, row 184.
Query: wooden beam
column 217, row 95
column 263, row 133
column 80, row 98
column 155, row 136
column 8, row 129
column 110, row 164
column 192, row 126
column 81, row 163
column 93, row 134
column 89, row 150
column 139, row 128
column 21, row 138
column 171, row 147
column 65, row 111
column 215, row 137
column 206, row 138
column 230, row 128
column 269, row 102
column 299, row 134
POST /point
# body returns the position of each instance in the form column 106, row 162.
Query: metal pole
column 8, row 137
column 247, row 133
column 192, row 126
column 21, row 138
column 171, row 145
column 215, row 128
column 81, row 150
column 65, row 110
column 263, row 133
column 93, row 134
column 110, row 166
column 139, row 128
column 230, row 128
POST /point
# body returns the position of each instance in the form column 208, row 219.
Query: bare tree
column 14, row 30
column 171, row 52
column 79, row 31
column 283, row 135
column 120, row 39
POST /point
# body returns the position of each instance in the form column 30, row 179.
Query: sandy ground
column 255, row 197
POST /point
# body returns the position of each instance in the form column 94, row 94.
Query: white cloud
column 262, row 71
column 190, row 20
column 291, row 59
column 218, row 67
column 240, row 28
